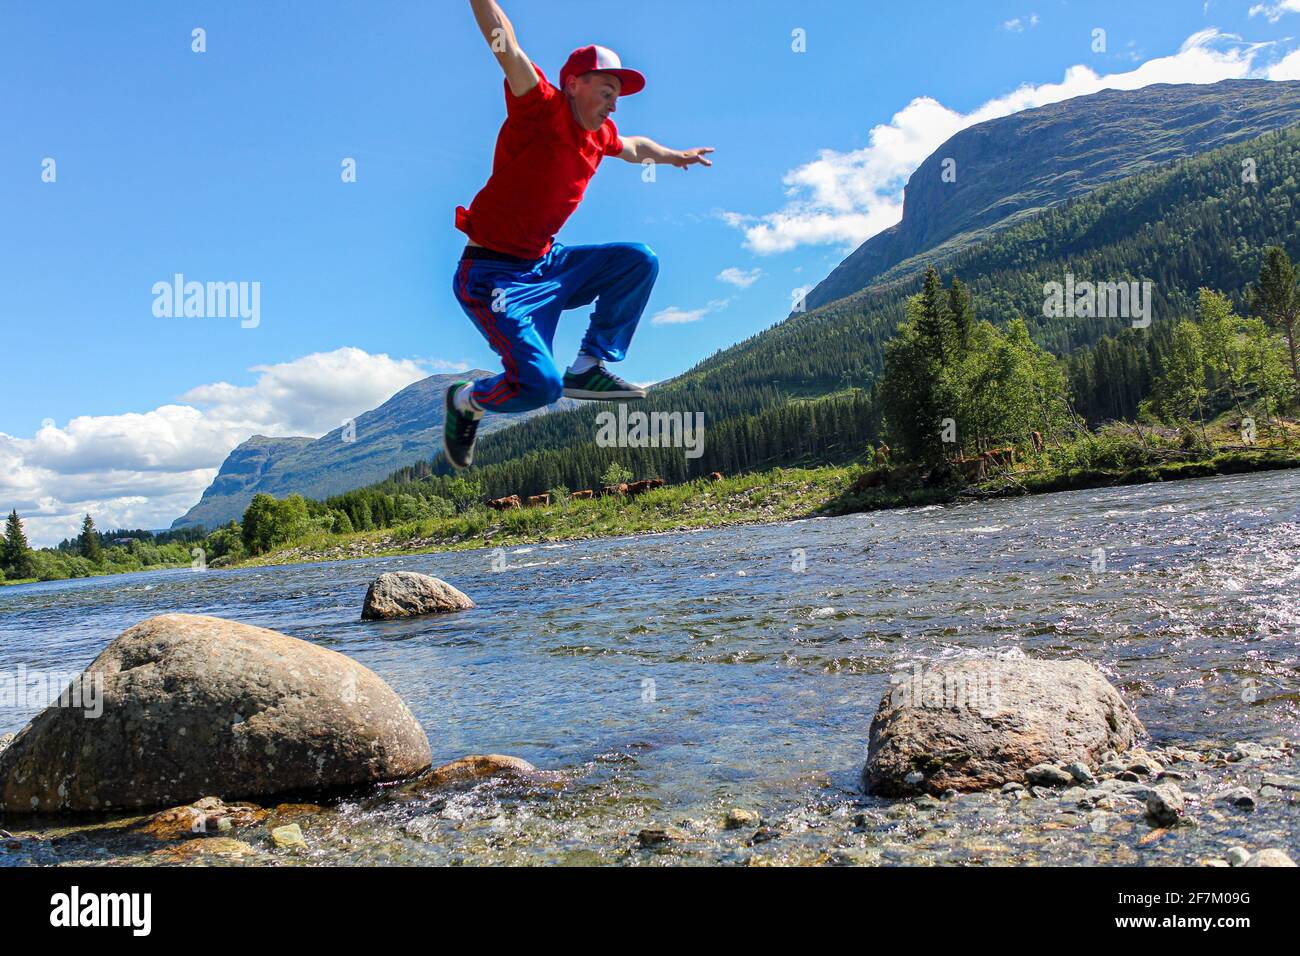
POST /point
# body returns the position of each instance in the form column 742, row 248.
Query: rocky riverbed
column 1239, row 808
column 712, row 701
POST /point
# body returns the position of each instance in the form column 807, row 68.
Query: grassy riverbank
column 1111, row 458
column 1119, row 455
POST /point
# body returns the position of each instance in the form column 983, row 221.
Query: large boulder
column 407, row 594
column 978, row 723
column 197, row 706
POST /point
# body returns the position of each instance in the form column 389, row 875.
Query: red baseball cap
column 588, row 58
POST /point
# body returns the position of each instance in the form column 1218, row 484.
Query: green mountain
column 406, row 428
column 1007, row 170
column 1192, row 222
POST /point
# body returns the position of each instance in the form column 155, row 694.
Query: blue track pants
column 517, row 308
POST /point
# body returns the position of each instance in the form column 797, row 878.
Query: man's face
column 592, row 97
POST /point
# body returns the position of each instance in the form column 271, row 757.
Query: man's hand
column 500, row 35
column 638, row 149
column 691, row 157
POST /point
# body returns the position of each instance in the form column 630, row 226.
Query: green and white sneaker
column 458, row 430
column 601, row 385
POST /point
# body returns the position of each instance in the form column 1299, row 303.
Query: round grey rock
column 975, row 724
column 396, row 594
column 197, row 706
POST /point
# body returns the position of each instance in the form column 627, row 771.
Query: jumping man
column 514, row 279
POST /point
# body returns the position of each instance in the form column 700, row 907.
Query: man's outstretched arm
column 638, row 149
column 500, row 35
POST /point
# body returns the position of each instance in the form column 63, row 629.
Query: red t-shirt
column 540, row 171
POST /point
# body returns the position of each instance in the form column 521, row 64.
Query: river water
column 672, row 677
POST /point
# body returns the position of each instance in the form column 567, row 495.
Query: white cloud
column 675, row 316
column 143, row 469
column 1019, row 25
column 1287, row 68
column 847, row 197
column 1275, row 11
column 740, row 278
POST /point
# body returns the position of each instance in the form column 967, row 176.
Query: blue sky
column 225, row 166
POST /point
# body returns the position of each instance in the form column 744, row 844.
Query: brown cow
column 614, row 489
column 581, row 494
column 868, row 479
column 504, row 504
column 971, row 469
column 535, row 501
column 641, row 487
column 715, row 476
column 1000, row 457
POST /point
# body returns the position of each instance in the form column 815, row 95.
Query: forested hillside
column 1198, row 222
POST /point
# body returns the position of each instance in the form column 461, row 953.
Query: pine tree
column 1276, row 297
column 88, row 543
column 16, row 556
column 961, row 311
column 934, row 324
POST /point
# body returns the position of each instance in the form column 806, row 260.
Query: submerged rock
column 289, row 836
column 1239, row 797
column 197, row 706
column 737, row 818
column 659, row 836
column 209, row 815
column 476, row 767
column 221, row 847
column 980, row 723
column 397, row 594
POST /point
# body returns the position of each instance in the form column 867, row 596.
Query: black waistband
column 482, row 252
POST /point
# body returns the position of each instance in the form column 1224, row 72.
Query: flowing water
column 669, row 678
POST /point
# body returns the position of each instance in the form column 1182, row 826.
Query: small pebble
column 1048, row 775
column 1269, row 857
column 289, row 836
column 1080, row 772
column 738, row 818
column 1165, row 804
column 1239, row 797
column 657, row 836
